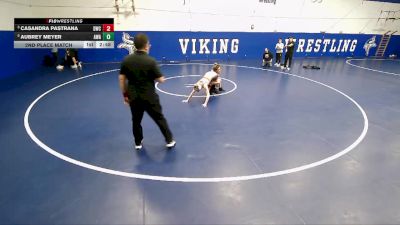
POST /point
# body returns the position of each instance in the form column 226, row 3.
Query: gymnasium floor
column 298, row 147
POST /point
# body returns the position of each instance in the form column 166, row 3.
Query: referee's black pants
column 153, row 108
column 288, row 57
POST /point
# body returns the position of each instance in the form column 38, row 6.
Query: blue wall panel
column 394, row 46
column 166, row 45
column 14, row 61
column 251, row 45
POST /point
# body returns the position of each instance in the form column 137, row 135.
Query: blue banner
column 188, row 46
column 239, row 45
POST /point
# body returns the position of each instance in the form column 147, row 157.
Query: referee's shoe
column 171, row 144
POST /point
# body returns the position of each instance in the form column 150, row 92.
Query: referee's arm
column 123, row 87
column 157, row 75
column 160, row 79
column 122, row 83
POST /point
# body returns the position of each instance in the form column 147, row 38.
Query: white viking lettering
column 223, row 44
column 209, row 46
column 194, row 46
column 184, row 44
column 353, row 45
column 235, row 46
column 203, row 45
column 215, row 46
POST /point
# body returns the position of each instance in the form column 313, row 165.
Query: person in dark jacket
column 289, row 54
column 267, row 58
column 70, row 59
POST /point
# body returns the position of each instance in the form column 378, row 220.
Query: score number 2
column 108, row 27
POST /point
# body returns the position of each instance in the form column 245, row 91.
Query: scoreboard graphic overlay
column 64, row 33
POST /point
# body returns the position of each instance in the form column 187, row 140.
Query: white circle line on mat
column 196, row 96
column 348, row 61
column 195, row 179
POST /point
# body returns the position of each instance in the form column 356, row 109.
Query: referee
column 136, row 80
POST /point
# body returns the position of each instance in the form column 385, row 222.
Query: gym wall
column 14, row 61
column 242, row 45
column 227, row 29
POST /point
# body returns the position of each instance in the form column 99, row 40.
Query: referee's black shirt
column 141, row 70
